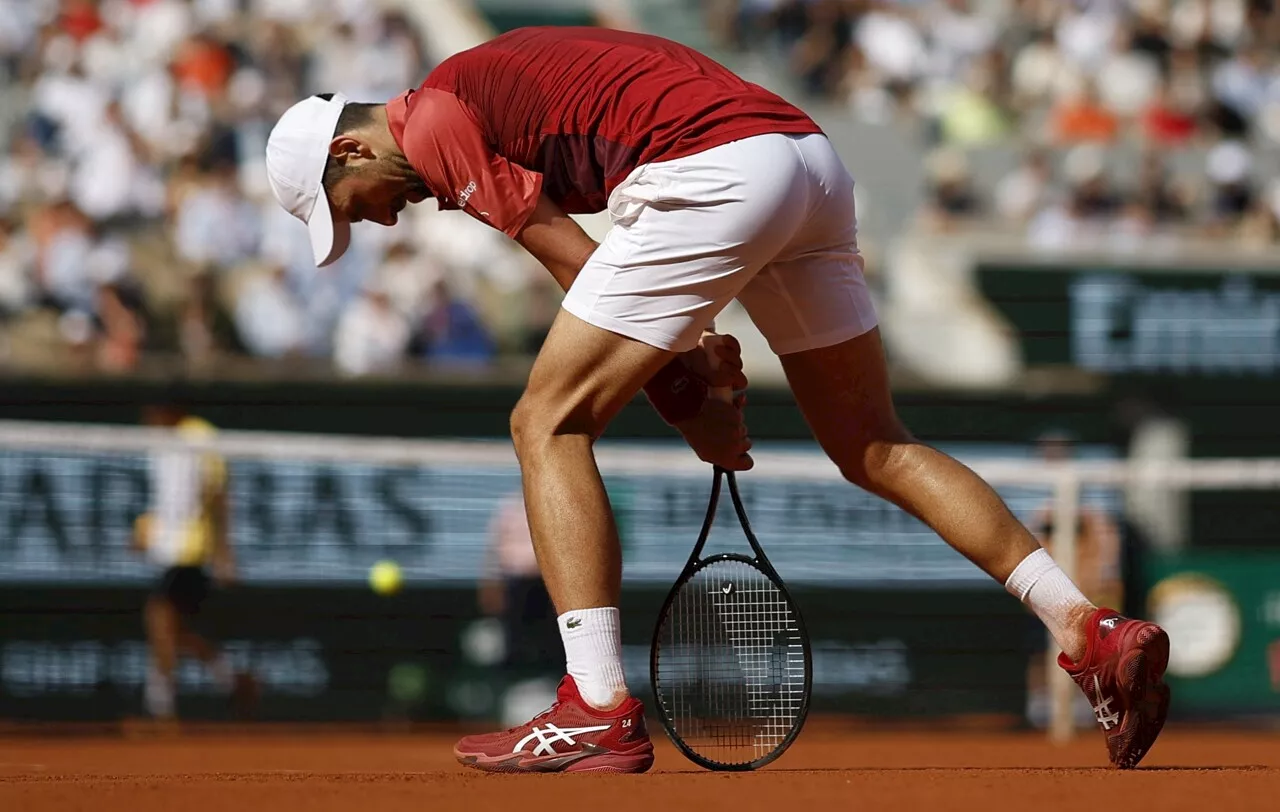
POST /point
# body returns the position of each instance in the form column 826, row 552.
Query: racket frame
column 692, row 567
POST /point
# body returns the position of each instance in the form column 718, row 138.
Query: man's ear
column 345, row 147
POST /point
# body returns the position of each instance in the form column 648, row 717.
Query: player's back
column 585, row 106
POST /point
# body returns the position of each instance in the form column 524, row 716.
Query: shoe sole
column 1140, row 677
column 606, row 762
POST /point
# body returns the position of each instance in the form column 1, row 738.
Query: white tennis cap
column 297, row 151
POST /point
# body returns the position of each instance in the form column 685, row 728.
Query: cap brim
column 329, row 238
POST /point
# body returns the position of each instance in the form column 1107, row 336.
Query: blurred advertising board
column 1116, row 321
column 68, row 518
column 1222, row 612
column 346, row 654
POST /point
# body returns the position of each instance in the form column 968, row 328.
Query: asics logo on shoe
column 550, row 734
column 1102, row 711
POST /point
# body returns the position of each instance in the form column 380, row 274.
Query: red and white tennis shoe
column 570, row 736
column 1122, row 675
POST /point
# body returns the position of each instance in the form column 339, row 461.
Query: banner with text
column 343, row 654
column 69, row 518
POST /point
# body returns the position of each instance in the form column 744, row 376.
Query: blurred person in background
column 1148, row 33
column 372, row 336
column 75, row 257
column 269, row 318
column 1095, row 194
column 1133, row 228
column 1188, row 81
column 952, row 199
column 30, row 176
column 1127, row 78
column 1168, row 200
column 1079, row 116
column 86, row 276
column 16, row 262
column 452, row 333
column 1086, row 208
column 186, row 534
column 1038, row 72
column 961, row 36
column 1086, row 30
column 215, row 227
column 1024, row 190
column 968, row 113
column 511, row 590
column 819, row 57
column 109, row 182
column 1228, row 167
column 369, row 59
column 121, row 327
column 408, row 276
column 1241, row 85
column 20, row 22
column 1260, row 226
column 893, row 49
column 1165, row 121
column 205, row 330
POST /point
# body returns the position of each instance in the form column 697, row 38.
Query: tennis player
column 184, row 533
column 717, row 189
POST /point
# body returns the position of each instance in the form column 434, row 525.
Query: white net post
column 1066, row 510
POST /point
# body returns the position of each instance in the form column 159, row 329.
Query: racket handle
column 724, row 394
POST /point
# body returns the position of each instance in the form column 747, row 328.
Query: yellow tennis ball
column 385, row 577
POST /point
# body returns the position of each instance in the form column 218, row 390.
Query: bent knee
column 536, row 420
column 877, row 459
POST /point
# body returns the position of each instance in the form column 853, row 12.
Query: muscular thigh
column 843, row 392
column 584, row 375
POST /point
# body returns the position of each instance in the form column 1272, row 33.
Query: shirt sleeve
column 446, row 146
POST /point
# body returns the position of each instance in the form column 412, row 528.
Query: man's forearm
column 565, row 269
column 555, row 240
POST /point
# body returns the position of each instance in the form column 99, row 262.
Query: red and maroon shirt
column 570, row 112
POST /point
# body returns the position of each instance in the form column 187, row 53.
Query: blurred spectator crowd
column 136, row 221
column 1134, row 119
column 135, row 217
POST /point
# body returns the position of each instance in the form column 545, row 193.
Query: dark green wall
column 443, row 410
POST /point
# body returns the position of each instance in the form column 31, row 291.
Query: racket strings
column 731, row 666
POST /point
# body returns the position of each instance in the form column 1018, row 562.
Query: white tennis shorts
column 768, row 220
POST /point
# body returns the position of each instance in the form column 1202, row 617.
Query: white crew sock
column 158, row 694
column 1041, row 584
column 593, row 653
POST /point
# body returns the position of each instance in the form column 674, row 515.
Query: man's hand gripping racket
column 730, row 662
column 696, row 394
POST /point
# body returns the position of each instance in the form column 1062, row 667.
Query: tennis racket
column 730, row 662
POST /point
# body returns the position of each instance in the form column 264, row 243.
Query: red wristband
column 676, row 393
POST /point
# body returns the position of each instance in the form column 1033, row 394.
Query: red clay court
column 828, row 769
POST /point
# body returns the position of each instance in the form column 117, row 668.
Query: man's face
column 374, row 189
